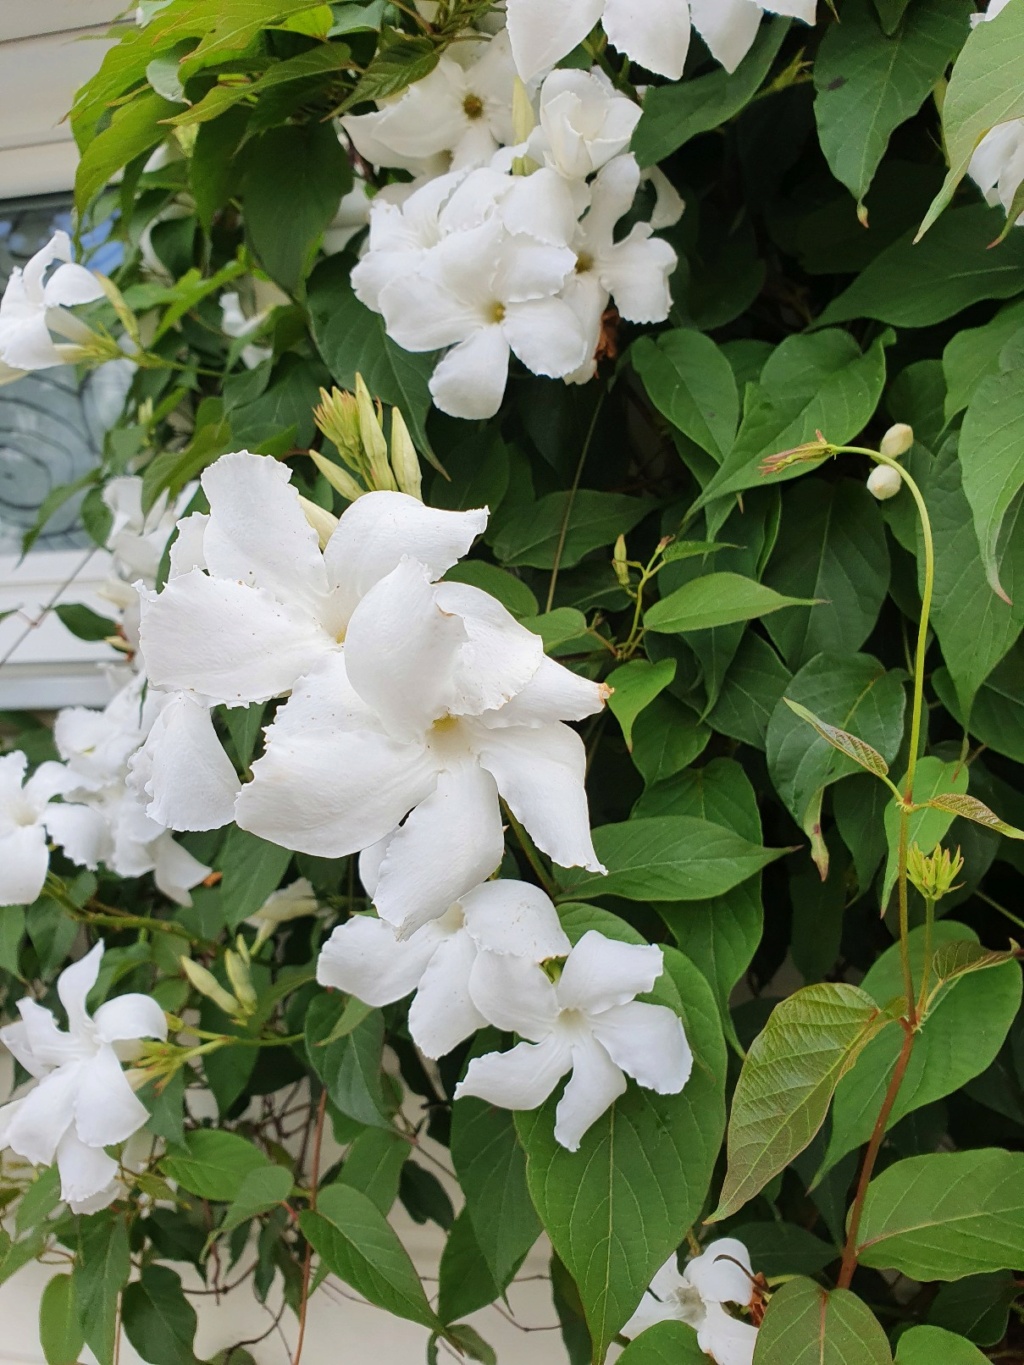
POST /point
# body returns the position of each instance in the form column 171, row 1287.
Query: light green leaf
column 134, row 128
column 60, row 1334
column 641, row 1174
column 666, row 1343
column 262, row 1189
column 970, row 808
column 667, row 736
column 158, row 1320
column 984, row 90
column 349, row 1064
column 557, row 627
column 788, row 1079
column 869, row 80
column 753, row 687
column 807, row 1325
column 690, row 382
column 214, row 1164
column 945, row 1216
column 510, row 591
column 534, row 533
column 926, row 1345
column 718, row 599
column 634, row 686
column 356, row 1243
column 992, row 463
column 668, row 859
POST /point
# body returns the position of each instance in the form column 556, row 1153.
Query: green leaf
column 992, row 463
column 38, row 1201
column 667, row 736
column 690, row 381
column 784, row 1248
column 374, row 1164
column 666, row 1343
column 960, row 1037
column 788, row 1079
column 465, row 1281
column 350, row 1063
column 229, row 27
column 927, row 826
column 262, row 1189
column 510, row 591
column 984, row 90
column 996, row 717
column 676, row 112
column 717, row 599
column 869, row 80
column 832, row 548
column 305, row 167
column 356, row 1243
column 557, row 627
column 214, row 1164
column 84, row 623
column 252, row 869
column 976, row 1306
column 847, row 744
column 533, row 535
column 973, row 354
column 641, row 1175
column 634, row 686
column 60, row 1333
column 945, row 1216
column 158, row 1320
column 912, row 285
column 668, row 859
column 970, row 808
column 400, row 60
column 753, row 687
column 926, row 1345
column 102, row 1269
column 807, row 1325
column 134, row 128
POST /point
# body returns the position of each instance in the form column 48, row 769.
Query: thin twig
column 570, row 499
column 307, row 1265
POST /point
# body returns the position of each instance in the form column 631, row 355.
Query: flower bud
column 523, row 118
column 933, row 874
column 339, row 480
column 619, row 562
column 897, row 440
column 322, row 521
column 404, row 460
column 338, row 418
column 207, row 984
column 288, row 903
column 375, row 447
column 884, row 482
column 241, row 981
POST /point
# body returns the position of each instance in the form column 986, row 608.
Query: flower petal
column 540, row 771
column 129, row 1017
column 443, row 1014
column 547, row 336
column 450, row 843
column 595, row 1084
column 37, row 1042
column 515, row 918
column 106, row 1108
column 258, row 533
column 24, row 861
column 225, row 641
column 602, row 972
column 71, row 284
column 522, row 1078
column 44, row 1116
column 543, row 33
column 554, row 693
column 27, row 344
column 499, row 656
column 723, row 1273
column 75, row 983
column 81, row 832
column 655, row 33
column 85, row 1173
column 636, row 273
column 175, row 871
column 470, row 380
column 364, row 958
column 12, row 776
column 182, row 769
column 725, row 1339
column 514, row 995
column 648, row 1043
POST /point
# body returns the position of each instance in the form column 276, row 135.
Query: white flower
column 588, row 1022
column 633, row 272
column 438, row 962
column 33, row 306
column 83, row 1101
column 295, row 901
column 656, row 33
column 584, row 122
column 28, row 815
column 722, row 1274
column 462, row 109
column 236, row 325
column 997, row 166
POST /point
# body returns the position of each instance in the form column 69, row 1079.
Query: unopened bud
column 287, row 903
column 375, row 447
column 619, row 563
column 404, row 460
column 897, row 440
column 337, row 416
column 884, row 482
column 323, row 522
column 339, row 479
column 237, row 967
column 523, row 118
column 934, row 874
column 207, row 984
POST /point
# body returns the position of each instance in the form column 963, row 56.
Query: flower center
column 496, row 313
column 22, row 814
column 584, row 262
column 473, row 107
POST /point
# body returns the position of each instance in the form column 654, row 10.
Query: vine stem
column 849, row 1264
column 314, row 1182
column 570, row 499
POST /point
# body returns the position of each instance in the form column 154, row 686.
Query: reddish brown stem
column 849, row 1264
column 314, row 1181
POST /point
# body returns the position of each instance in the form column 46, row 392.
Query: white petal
column 129, row 1017
column 37, row 1042
column 648, row 1043
column 364, row 958
column 595, row 1084
column 85, row 1173
column 726, row 1340
column 499, row 656
column 807, row 9
column 44, row 1116
column 554, row 693
column 106, row 1108
column 540, row 771
column 722, row 1273
column 225, row 641
column 546, row 335
column 184, row 772
column 322, row 787
column 258, row 532
column 175, row 871
column 443, row 1014
column 729, row 28
column 75, row 983
column 602, row 972
column 650, row 1312
column 12, row 776
column 470, row 380
column 81, row 832
column 543, row 207
column 27, row 345
column 514, row 995
column 543, row 33
column 520, row 1079
column 514, row 917
column 24, row 861
column 636, row 273
column 49, row 780
column 655, row 33
column 379, row 529
column 71, row 284
column 450, row 843
column 369, row 864
column 188, row 551
column 401, row 650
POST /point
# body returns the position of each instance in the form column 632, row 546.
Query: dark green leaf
column 158, row 1320
column 102, row 1270
column 562, row 528
column 60, row 1334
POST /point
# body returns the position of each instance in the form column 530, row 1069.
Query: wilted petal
column 128, row 1017
column 595, row 1084
column 24, row 861
column 75, row 983
column 543, row 33
column 514, row 995
column 443, row 1014
column 363, row 958
column 648, row 1043
column 86, row 1173
column 655, row 34
column 540, row 772
column 520, row 1079
column 602, row 972
column 450, row 843
column 470, row 380
column 723, row 1273
column 187, row 780
column 516, row 918
column 106, row 1108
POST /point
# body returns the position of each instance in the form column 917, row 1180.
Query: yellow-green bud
column 897, row 440
column 933, row 874
column 207, row 984
column 375, row 447
column 322, row 521
column 337, row 416
column 241, row 981
column 404, row 460
column 619, row 563
column 341, row 481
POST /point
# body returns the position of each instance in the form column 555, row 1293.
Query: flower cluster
column 506, row 243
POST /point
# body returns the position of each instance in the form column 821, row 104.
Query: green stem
column 532, row 856
column 564, row 529
column 926, row 969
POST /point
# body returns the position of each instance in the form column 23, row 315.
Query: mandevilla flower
column 28, row 815
column 438, row 962
column 588, row 1022
column 721, row 1275
column 33, row 306
column 82, row 1101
